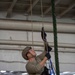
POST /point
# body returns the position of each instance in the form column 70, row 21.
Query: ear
column 27, row 55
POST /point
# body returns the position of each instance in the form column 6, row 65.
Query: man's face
column 31, row 53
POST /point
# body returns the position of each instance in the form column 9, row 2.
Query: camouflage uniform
column 34, row 68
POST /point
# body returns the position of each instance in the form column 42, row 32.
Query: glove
column 47, row 47
column 48, row 55
column 43, row 34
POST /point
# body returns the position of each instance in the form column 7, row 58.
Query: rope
column 31, row 24
column 42, row 19
column 45, row 42
column 51, row 67
column 55, row 38
column 42, row 12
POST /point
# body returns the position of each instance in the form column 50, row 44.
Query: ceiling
column 63, row 8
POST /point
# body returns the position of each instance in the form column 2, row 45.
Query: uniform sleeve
column 42, row 55
column 31, row 68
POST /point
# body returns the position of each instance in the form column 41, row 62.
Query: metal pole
column 55, row 38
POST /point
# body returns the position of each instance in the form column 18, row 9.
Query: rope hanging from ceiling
column 44, row 35
column 31, row 23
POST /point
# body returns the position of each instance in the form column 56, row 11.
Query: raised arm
column 46, row 50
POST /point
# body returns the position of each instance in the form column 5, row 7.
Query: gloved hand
column 48, row 55
column 47, row 47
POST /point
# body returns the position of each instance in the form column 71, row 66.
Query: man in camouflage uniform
column 35, row 65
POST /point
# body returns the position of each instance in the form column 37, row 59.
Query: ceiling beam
column 67, row 10
column 48, row 9
column 9, row 12
column 31, row 7
column 27, row 26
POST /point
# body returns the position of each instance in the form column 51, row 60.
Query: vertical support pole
column 55, row 38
